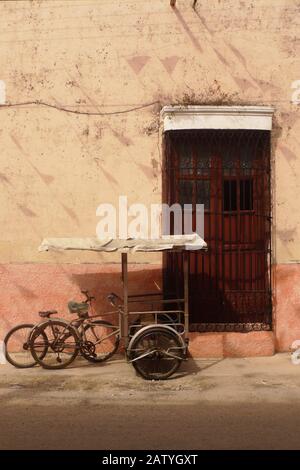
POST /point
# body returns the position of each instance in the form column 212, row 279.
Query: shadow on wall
column 28, row 289
column 56, row 285
column 101, row 284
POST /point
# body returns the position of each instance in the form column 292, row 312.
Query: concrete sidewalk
column 228, row 403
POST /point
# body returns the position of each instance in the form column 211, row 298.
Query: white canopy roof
column 170, row 242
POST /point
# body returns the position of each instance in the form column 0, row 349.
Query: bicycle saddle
column 77, row 307
column 47, row 313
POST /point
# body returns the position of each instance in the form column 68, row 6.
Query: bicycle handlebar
column 89, row 297
column 112, row 298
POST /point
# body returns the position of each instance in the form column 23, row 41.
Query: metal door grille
column 229, row 172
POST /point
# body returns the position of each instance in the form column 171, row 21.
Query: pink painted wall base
column 256, row 343
column 286, row 305
column 28, row 288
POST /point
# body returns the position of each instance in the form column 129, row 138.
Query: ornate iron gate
column 229, row 172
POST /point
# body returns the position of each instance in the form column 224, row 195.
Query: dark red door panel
column 228, row 172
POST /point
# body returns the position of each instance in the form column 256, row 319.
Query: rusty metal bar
column 186, row 290
column 124, row 316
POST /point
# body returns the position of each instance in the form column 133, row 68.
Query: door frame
column 218, row 117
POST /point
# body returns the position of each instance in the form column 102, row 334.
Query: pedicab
column 153, row 326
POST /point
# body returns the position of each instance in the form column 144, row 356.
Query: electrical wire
column 87, row 113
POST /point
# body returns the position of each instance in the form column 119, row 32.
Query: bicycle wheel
column 17, row 347
column 156, row 352
column 100, row 342
column 62, row 344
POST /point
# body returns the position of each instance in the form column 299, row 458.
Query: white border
column 216, row 117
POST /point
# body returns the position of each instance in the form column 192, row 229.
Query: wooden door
column 228, row 172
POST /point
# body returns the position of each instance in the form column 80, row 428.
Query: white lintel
column 216, row 117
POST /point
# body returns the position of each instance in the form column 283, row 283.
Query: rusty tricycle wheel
column 156, row 351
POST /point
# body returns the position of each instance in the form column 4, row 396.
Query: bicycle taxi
column 155, row 336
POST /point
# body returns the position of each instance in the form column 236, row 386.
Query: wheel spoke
column 142, row 356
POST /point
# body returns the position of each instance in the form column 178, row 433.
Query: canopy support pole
column 124, row 319
column 186, row 291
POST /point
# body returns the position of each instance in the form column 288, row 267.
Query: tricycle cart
column 154, row 327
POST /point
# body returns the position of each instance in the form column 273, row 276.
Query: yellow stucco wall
column 108, row 56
